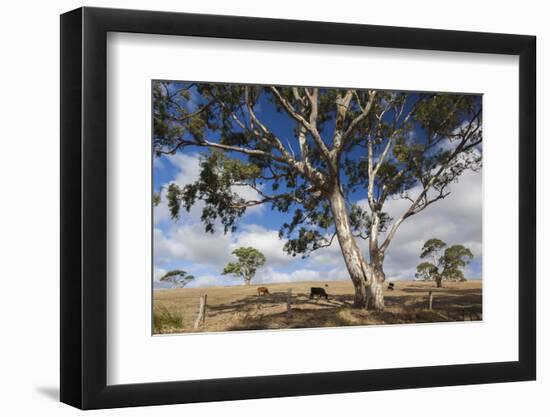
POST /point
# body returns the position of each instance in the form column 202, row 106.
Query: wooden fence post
column 289, row 303
column 201, row 318
column 430, row 300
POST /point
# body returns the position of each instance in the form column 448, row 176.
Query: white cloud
column 189, row 242
column 268, row 275
column 188, row 166
column 214, row 280
column 249, row 194
column 158, row 273
column 186, row 239
column 188, row 171
column 161, row 212
column 265, row 240
column 456, row 219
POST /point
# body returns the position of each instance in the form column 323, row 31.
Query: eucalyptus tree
column 427, row 271
column 347, row 154
column 454, row 259
column 432, row 249
column 249, row 259
column 444, row 266
column 178, row 278
column 430, row 270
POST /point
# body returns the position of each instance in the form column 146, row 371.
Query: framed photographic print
column 257, row 208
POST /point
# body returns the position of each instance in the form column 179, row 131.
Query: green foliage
column 219, row 173
column 164, row 320
column 426, row 271
column 361, row 221
column 156, row 199
column 178, row 278
column 413, row 139
column 453, row 260
column 432, row 247
column 305, row 242
column 248, row 261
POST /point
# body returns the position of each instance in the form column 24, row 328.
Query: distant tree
column 454, row 259
column 178, row 278
column 432, row 248
column 443, row 267
column 427, row 272
column 430, row 270
column 248, row 261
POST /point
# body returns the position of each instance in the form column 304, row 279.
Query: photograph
column 285, row 207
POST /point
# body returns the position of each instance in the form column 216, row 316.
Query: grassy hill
column 240, row 308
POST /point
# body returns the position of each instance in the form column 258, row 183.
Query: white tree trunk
column 376, row 288
column 358, row 269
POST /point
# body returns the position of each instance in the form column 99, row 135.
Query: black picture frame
column 84, row 207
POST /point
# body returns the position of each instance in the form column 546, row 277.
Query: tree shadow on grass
column 442, row 298
column 252, row 302
column 345, row 316
column 337, row 311
column 300, row 319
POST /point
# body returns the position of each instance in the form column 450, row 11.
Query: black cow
column 319, row 292
column 391, row 286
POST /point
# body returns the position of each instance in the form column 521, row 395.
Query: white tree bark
column 358, row 269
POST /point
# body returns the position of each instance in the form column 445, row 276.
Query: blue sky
column 183, row 244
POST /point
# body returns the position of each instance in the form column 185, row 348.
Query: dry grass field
column 240, row 307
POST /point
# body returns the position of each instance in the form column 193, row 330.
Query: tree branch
column 355, row 122
column 300, row 119
column 305, row 169
column 207, row 144
column 325, row 245
column 413, row 207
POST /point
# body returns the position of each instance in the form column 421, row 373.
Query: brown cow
column 263, row 291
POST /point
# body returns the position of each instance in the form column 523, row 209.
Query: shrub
column 164, row 320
